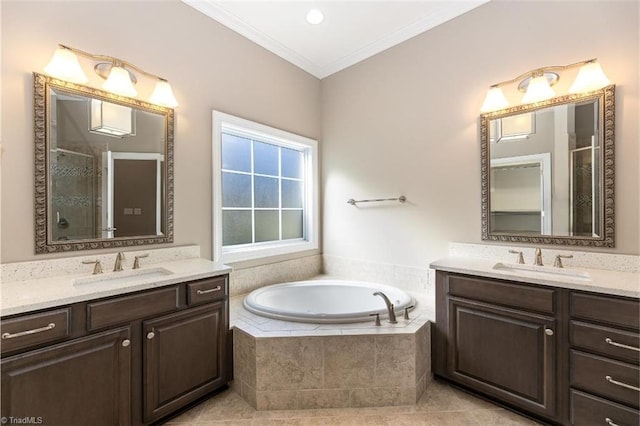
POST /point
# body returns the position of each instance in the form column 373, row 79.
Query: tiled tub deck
column 280, row 365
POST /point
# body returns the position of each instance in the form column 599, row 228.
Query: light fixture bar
column 118, row 74
column 537, row 84
column 542, row 70
column 110, row 59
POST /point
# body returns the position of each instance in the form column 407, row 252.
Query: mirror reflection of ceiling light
column 538, row 84
column 111, row 119
column 119, row 74
column 315, row 17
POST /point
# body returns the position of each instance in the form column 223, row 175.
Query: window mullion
column 253, row 196
column 280, row 193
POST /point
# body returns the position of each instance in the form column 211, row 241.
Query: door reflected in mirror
column 549, row 171
column 105, row 170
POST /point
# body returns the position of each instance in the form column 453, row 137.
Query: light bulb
column 64, row 65
column 590, row 77
column 119, row 82
column 163, row 95
column 494, row 100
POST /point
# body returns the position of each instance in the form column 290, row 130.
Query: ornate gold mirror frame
column 44, row 243
column 606, row 237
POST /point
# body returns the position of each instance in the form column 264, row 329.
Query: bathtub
column 325, row 301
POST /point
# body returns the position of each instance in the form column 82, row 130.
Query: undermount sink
column 542, row 271
column 121, row 277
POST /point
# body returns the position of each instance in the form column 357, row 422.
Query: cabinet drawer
column 607, row 341
column 605, row 377
column 207, row 290
column 608, row 310
column 503, row 293
column 589, row 410
column 129, row 308
column 31, row 330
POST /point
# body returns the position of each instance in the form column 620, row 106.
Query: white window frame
column 261, row 132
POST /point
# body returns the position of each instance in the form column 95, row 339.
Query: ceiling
column 351, row 31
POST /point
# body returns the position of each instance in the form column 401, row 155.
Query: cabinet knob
column 548, row 332
column 151, row 335
column 126, row 342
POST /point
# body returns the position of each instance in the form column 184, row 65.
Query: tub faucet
column 392, row 314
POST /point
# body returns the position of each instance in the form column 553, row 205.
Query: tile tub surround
column 280, row 365
column 245, row 280
column 405, row 277
column 581, row 259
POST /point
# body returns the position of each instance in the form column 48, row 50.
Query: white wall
column 208, row 65
column 406, row 122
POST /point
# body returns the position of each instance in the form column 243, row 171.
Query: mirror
column 104, row 169
column 548, row 171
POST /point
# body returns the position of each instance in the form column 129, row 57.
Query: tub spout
column 392, row 313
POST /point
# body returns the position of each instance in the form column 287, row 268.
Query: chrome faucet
column 118, row 265
column 392, row 313
column 538, row 259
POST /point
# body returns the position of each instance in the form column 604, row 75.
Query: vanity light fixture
column 537, row 84
column 119, row 74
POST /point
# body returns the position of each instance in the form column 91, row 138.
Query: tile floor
column 440, row 405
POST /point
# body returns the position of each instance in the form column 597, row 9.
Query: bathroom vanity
column 133, row 357
column 565, row 352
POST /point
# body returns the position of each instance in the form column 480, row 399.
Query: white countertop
column 30, row 295
column 599, row 281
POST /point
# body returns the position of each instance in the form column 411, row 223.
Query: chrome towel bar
column 400, row 199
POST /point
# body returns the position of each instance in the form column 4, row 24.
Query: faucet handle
column 520, row 257
column 97, row 267
column 377, row 318
column 406, row 311
column 136, row 260
column 559, row 257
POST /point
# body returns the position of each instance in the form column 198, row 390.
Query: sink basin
column 123, row 276
column 542, row 271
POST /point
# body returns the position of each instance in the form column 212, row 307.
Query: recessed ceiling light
column 314, row 17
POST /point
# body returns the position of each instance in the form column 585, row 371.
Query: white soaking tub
column 325, row 301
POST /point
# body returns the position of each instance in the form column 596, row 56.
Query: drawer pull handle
column 151, row 335
column 621, row 345
column 211, row 290
column 126, row 342
column 610, row 422
column 624, row 385
column 51, row 326
column 548, row 332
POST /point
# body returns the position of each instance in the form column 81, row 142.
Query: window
column 265, row 190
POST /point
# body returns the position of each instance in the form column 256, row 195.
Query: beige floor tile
column 441, row 397
column 187, row 418
column 500, row 417
column 441, row 405
column 227, row 405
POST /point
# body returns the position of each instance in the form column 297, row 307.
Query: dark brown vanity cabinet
column 604, row 378
column 499, row 338
column 174, row 368
column 128, row 359
column 563, row 356
column 84, row 381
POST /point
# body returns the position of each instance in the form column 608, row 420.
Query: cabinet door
column 505, row 353
column 184, row 358
column 85, row 381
